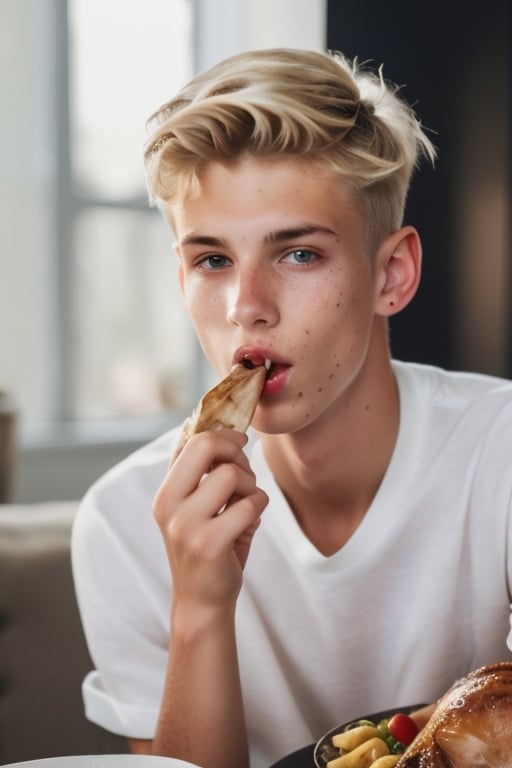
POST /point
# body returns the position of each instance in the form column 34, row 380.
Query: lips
column 276, row 378
column 277, row 370
column 247, row 362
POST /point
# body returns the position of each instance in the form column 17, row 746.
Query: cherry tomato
column 403, row 728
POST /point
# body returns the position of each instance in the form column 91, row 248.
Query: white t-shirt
column 418, row 596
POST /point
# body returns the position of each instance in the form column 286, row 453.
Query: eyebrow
column 214, row 242
column 296, row 232
column 271, row 238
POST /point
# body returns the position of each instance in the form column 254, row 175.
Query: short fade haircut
column 309, row 106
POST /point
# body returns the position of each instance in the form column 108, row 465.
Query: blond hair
column 302, row 104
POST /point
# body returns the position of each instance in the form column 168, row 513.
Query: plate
column 321, row 752
column 104, row 761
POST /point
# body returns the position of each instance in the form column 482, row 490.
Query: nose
column 252, row 299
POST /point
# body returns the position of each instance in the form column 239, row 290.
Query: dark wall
column 426, row 49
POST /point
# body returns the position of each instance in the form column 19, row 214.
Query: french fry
column 352, row 738
column 362, row 756
column 386, row 761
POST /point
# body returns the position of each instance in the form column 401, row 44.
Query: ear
column 398, row 264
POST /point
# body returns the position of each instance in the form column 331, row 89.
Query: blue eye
column 214, row 262
column 301, row 256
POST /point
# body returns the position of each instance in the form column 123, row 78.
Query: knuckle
column 227, row 473
column 262, row 499
column 163, row 506
column 199, row 546
column 159, row 505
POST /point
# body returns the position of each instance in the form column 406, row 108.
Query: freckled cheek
column 202, row 306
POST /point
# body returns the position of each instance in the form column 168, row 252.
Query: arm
column 140, row 746
column 214, row 723
column 201, row 716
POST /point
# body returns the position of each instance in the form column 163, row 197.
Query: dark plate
column 301, row 758
column 324, row 743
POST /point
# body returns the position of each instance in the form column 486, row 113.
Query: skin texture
column 274, row 263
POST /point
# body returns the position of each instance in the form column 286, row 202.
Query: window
column 95, row 347
column 128, row 348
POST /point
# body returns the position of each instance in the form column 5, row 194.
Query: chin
column 280, row 423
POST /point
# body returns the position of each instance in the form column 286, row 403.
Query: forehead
column 266, row 190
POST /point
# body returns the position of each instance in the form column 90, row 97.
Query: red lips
column 277, row 370
column 276, row 379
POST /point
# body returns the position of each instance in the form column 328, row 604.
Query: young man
column 361, row 560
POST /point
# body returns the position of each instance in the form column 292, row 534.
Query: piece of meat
column 231, row 404
column 471, row 726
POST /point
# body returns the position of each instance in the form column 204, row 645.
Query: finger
column 214, row 491
column 244, row 541
column 204, row 451
column 202, row 443
column 215, row 538
column 220, row 489
column 234, row 527
column 241, row 520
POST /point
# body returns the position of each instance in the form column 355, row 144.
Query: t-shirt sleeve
column 123, row 588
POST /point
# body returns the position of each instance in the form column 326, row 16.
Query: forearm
column 201, row 716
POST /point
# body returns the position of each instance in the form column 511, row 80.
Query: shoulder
column 143, row 470
column 455, row 418
column 127, row 490
column 455, row 391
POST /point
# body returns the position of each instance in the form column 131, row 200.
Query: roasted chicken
column 471, row 726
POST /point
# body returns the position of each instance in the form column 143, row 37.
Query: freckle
column 338, row 304
column 367, row 407
column 300, row 394
column 319, row 389
column 331, row 375
column 307, row 332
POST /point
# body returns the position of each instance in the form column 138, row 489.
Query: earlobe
column 399, row 265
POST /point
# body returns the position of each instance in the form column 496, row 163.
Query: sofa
column 43, row 654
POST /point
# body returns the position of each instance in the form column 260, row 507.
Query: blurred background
column 96, row 354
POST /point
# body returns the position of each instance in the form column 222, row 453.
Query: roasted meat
column 471, row 726
column 231, row 403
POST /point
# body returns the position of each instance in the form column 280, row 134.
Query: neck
column 331, row 471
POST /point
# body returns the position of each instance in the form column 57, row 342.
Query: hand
column 208, row 508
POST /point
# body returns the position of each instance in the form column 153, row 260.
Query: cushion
column 43, row 654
